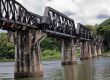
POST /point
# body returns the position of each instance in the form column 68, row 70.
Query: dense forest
column 49, row 46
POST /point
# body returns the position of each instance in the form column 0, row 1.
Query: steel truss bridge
column 28, row 29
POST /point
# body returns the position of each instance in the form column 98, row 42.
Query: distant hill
column 105, row 23
column 103, row 29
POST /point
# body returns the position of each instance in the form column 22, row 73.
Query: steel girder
column 83, row 32
column 14, row 16
column 58, row 24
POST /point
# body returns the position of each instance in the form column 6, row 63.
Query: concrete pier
column 85, row 49
column 27, row 56
column 68, row 52
column 82, row 50
column 99, row 50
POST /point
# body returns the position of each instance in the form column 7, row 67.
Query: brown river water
column 91, row 69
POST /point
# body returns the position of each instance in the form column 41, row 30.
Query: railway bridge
column 26, row 30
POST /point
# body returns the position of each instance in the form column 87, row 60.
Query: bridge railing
column 14, row 16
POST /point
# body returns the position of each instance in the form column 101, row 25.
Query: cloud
column 35, row 6
column 102, row 16
column 69, row 13
column 82, row 11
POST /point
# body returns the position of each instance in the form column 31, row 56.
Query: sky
column 82, row 11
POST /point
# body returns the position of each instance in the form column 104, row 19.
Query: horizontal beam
column 58, row 34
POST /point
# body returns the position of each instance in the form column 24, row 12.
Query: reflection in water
column 85, row 70
column 35, row 78
column 92, row 69
column 79, row 72
column 70, row 72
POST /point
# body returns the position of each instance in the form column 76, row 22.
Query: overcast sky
column 82, row 11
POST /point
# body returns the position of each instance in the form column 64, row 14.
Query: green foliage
column 107, row 53
column 105, row 23
column 78, row 52
column 104, row 30
column 92, row 28
column 50, row 49
column 6, row 47
column 51, row 54
column 49, row 43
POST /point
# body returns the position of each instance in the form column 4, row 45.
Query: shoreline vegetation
column 48, row 55
column 107, row 53
column 6, row 60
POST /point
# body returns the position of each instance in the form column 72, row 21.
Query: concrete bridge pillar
column 89, row 50
column 68, row 52
column 27, row 55
column 82, row 50
column 85, row 49
column 92, row 50
column 73, row 52
column 95, row 50
column 99, row 50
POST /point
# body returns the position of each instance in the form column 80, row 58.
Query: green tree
column 49, row 44
column 6, row 47
column 104, row 30
column 92, row 28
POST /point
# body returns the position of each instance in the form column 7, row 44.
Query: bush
column 50, row 54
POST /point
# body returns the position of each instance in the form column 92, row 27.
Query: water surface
column 92, row 69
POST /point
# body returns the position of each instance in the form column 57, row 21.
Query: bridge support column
column 27, row 56
column 83, row 54
column 68, row 52
column 92, row 50
column 85, row 49
column 99, row 51
column 86, row 52
column 95, row 51
column 73, row 52
column 89, row 50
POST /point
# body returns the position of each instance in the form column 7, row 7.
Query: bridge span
column 27, row 30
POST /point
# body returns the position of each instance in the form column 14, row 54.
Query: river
column 91, row 69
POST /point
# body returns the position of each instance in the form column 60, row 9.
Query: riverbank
column 6, row 60
column 46, row 55
column 107, row 53
column 48, row 58
column 43, row 58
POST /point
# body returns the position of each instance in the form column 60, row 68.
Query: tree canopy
column 104, row 30
column 6, row 47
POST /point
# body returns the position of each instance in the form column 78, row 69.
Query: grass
column 107, row 53
column 54, row 54
column 6, row 60
column 50, row 58
column 51, row 55
column 45, row 56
